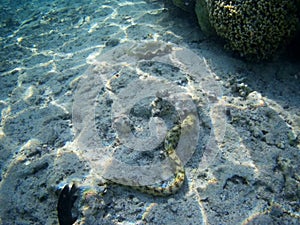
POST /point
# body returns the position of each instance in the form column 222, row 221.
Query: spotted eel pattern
column 170, row 144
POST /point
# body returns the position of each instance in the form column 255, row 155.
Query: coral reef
column 256, row 29
column 202, row 13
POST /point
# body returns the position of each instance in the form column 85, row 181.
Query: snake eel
column 170, row 144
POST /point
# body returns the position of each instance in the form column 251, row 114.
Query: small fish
column 65, row 203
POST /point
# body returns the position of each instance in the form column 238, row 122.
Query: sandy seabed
column 71, row 71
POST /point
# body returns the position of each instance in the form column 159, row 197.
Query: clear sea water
column 140, row 65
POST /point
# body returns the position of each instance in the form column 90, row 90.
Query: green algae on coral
column 202, row 13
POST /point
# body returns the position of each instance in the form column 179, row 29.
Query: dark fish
column 65, row 203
